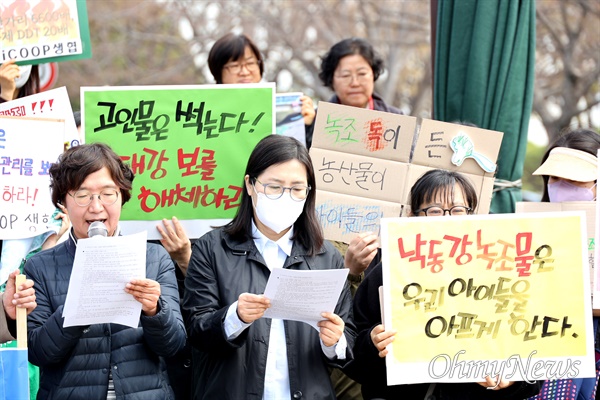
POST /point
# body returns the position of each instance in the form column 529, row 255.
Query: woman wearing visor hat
column 570, row 167
column 570, row 170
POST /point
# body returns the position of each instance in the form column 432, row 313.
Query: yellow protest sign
column 486, row 295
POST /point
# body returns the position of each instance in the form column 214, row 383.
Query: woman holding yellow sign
column 436, row 193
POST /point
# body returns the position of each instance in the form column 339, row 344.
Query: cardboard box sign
column 363, row 166
column 343, row 216
column 364, row 132
column 456, row 147
column 484, row 187
column 590, row 219
column 361, row 176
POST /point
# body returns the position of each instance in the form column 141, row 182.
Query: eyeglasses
column 274, row 191
column 435, row 211
column 251, row 66
column 84, row 198
column 361, row 77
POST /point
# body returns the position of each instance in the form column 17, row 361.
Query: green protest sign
column 187, row 145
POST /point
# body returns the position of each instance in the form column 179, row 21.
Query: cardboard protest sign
column 343, row 216
column 366, row 154
column 27, row 148
column 484, row 295
column 53, row 103
column 187, row 145
column 361, row 164
column 364, row 132
column 34, row 30
column 456, row 147
column 466, row 149
column 14, row 380
column 361, row 176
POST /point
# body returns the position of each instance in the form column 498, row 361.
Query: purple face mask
column 565, row 191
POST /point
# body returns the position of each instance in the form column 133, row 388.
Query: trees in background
column 294, row 35
column 568, row 63
column 134, row 42
column 139, row 42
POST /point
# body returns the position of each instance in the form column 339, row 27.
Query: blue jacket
column 74, row 362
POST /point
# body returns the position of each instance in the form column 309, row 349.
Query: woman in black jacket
column 237, row 353
column 437, row 193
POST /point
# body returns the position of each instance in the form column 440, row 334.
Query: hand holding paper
column 331, row 328
column 306, row 296
column 147, row 292
column 252, row 307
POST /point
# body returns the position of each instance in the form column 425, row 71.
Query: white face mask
column 22, row 79
column 278, row 214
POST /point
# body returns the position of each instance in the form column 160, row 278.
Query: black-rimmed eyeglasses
column 435, row 211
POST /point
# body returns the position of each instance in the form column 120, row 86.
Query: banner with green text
column 187, row 145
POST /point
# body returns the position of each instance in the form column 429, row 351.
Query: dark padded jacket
column 74, row 362
column 222, row 268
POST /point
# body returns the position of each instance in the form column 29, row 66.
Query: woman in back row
column 236, row 59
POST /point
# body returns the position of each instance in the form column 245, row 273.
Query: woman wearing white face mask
column 570, row 170
column 238, row 354
column 18, row 81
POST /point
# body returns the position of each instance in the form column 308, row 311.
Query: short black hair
column 441, row 181
column 347, row 47
column 273, row 150
column 231, row 47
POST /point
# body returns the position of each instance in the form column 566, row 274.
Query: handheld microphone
column 97, row 228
